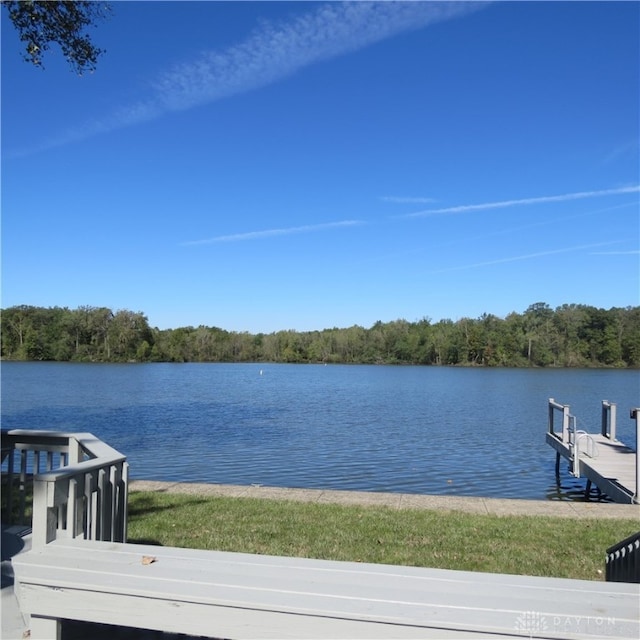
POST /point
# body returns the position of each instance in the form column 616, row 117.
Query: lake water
column 431, row 430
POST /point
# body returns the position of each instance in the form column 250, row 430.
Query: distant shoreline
column 569, row 336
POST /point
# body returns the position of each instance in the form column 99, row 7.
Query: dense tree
column 537, row 319
column 567, row 321
column 569, row 336
column 41, row 23
column 84, row 334
column 630, row 340
column 126, row 333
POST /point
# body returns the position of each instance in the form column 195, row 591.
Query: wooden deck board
column 251, row 596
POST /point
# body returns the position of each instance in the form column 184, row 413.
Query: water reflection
column 567, row 487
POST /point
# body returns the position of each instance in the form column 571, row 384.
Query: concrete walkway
column 14, row 627
column 494, row 506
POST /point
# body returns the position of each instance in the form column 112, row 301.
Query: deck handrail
column 81, row 491
column 623, row 560
column 634, row 414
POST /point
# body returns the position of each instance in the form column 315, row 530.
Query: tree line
column 572, row 335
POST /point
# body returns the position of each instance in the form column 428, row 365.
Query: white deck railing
column 623, row 560
column 634, row 414
column 78, row 485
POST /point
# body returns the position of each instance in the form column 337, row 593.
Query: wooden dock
column 603, row 460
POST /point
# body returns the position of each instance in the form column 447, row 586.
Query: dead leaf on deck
column 149, row 559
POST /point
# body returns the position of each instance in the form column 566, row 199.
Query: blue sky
column 259, row 166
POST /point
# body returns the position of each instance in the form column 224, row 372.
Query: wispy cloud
column 406, row 200
column 270, row 233
column 629, row 148
column 277, row 51
column 502, row 204
column 271, row 53
column 633, row 252
column 539, row 223
column 528, row 256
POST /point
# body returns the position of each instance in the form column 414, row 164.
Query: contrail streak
column 528, row 256
column 524, row 201
column 270, row 233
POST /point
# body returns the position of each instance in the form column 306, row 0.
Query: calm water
column 473, row 432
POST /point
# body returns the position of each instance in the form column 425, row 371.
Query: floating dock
column 603, row 460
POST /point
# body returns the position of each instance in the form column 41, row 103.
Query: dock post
column 609, row 419
column 557, row 465
column 587, row 490
column 566, row 417
column 575, row 450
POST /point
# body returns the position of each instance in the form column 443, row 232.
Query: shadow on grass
column 147, row 541
column 140, row 505
column 148, row 505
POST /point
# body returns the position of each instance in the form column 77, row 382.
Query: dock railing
column 77, row 484
column 566, row 420
column 579, row 442
column 567, row 436
column 577, row 445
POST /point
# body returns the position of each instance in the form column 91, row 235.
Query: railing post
column 9, row 489
column 75, row 515
column 123, row 503
column 75, row 452
column 107, row 505
column 576, row 447
column 22, row 487
column 566, row 418
column 609, row 419
column 89, row 517
column 100, row 504
column 41, row 627
column 635, row 415
column 44, row 520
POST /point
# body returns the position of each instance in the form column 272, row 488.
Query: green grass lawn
column 526, row 545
